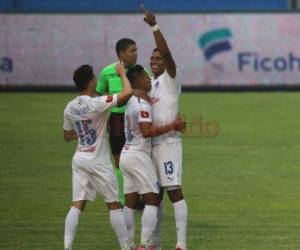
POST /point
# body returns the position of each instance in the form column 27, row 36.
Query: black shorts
column 116, row 132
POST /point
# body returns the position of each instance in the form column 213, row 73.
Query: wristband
column 155, row 28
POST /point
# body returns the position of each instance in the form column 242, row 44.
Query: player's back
column 137, row 111
column 88, row 118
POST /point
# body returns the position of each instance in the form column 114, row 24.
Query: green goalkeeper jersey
column 110, row 82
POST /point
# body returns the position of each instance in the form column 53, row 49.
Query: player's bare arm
column 127, row 91
column 70, row 135
column 161, row 43
column 148, row 130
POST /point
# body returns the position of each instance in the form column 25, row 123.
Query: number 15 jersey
column 88, row 117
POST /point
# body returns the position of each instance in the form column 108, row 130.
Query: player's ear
column 121, row 55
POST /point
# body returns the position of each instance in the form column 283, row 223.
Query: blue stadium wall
column 119, row 6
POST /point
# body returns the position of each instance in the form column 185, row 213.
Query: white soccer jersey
column 165, row 93
column 137, row 111
column 87, row 116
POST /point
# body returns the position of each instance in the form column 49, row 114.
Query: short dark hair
column 133, row 72
column 123, row 44
column 156, row 49
column 82, row 76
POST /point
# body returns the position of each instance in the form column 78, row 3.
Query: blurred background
column 217, row 44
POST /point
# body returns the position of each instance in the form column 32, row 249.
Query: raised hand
column 120, row 69
column 149, row 17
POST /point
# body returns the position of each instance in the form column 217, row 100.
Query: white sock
column 71, row 223
column 149, row 220
column 118, row 224
column 156, row 234
column 130, row 223
column 180, row 210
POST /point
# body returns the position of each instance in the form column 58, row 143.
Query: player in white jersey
column 135, row 162
column 85, row 119
column 167, row 148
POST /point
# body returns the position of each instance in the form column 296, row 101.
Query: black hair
column 82, row 76
column 154, row 50
column 133, row 72
column 123, row 44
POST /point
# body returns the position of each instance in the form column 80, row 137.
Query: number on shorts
column 86, row 135
column 169, row 167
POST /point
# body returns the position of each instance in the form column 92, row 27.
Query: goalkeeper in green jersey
column 110, row 82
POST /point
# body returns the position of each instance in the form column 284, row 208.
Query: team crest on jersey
column 109, row 98
column 156, row 85
column 144, row 114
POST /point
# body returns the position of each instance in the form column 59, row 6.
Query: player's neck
column 127, row 65
column 87, row 92
column 157, row 75
column 140, row 93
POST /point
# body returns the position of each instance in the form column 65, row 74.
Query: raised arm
column 161, row 43
column 127, row 91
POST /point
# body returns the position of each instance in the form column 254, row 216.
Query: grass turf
column 241, row 174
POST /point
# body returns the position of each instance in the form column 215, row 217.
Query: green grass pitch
column 241, row 174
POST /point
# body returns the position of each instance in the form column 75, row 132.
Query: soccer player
column 167, row 148
column 135, row 162
column 110, row 82
column 92, row 171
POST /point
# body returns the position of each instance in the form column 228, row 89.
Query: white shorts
column 89, row 179
column 139, row 172
column 167, row 158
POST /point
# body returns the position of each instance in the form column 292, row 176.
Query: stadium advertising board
column 210, row 50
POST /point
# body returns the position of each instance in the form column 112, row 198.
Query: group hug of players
column 144, row 135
